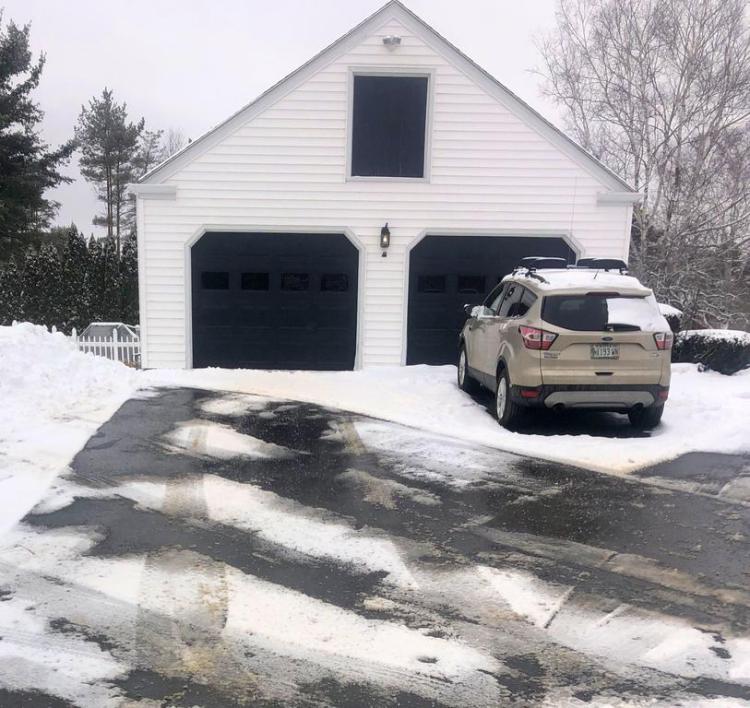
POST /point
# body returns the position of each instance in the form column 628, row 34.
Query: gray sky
column 188, row 64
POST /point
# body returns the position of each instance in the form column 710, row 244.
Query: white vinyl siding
column 286, row 169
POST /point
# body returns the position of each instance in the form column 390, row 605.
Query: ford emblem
column 607, row 339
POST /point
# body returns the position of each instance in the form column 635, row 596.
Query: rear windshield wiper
column 620, row 327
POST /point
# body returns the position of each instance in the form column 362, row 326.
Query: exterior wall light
column 385, row 238
column 392, row 41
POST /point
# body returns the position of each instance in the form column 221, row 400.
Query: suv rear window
column 600, row 312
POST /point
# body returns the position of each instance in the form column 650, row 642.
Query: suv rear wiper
column 620, row 327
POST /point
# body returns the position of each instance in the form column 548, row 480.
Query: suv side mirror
column 469, row 310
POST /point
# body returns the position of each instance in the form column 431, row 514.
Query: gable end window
column 389, row 116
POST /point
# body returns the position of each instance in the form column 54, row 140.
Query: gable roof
column 393, row 10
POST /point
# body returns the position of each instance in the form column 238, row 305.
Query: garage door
column 274, row 301
column 447, row 272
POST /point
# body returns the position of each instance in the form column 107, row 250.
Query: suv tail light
column 663, row 340
column 534, row 338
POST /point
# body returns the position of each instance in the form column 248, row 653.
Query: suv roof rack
column 542, row 263
column 603, row 264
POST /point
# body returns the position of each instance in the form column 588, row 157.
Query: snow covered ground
column 706, row 411
column 54, row 398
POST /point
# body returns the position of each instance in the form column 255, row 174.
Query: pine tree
column 49, row 304
column 74, row 293
column 109, row 149
column 129, row 281
column 103, row 282
column 29, row 292
column 11, row 302
column 28, row 166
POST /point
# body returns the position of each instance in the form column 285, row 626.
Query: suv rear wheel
column 465, row 382
column 508, row 412
column 646, row 418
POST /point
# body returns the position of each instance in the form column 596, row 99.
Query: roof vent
column 392, row 41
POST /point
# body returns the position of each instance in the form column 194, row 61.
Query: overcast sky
column 189, row 64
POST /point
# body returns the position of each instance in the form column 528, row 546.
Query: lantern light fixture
column 385, row 238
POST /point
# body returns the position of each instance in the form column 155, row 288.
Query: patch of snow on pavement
column 426, row 397
column 205, row 439
column 290, row 623
column 315, row 533
column 33, row 658
column 627, row 634
column 53, row 399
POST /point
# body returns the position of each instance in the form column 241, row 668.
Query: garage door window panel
column 471, row 284
column 431, row 284
column 334, row 283
column 295, row 282
column 255, row 281
column 389, row 116
column 214, row 280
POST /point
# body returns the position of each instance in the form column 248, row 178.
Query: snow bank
column 426, row 397
column 53, row 399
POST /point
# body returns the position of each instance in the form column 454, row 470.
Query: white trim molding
column 426, row 73
column 618, row 198
column 153, row 191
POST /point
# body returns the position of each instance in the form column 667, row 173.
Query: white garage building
column 264, row 243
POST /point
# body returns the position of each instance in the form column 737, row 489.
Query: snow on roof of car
column 581, row 279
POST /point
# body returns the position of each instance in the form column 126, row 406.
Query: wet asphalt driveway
column 213, row 549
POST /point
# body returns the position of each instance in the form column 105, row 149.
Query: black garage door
column 447, row 272
column 274, row 301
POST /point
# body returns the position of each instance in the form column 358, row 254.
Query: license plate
column 605, row 351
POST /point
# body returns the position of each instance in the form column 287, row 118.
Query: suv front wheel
column 465, row 382
column 508, row 412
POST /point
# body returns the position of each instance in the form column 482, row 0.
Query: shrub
column 672, row 315
column 724, row 350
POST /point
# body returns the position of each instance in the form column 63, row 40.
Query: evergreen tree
column 74, row 292
column 11, row 304
column 129, row 281
column 29, row 292
column 109, row 147
column 103, row 280
column 49, row 305
column 28, row 166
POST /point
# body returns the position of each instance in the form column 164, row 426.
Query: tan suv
column 560, row 337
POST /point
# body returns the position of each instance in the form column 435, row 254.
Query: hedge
column 724, row 350
column 672, row 315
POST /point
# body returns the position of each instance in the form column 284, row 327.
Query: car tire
column 507, row 411
column 465, row 382
column 646, row 418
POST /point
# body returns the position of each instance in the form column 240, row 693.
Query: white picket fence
column 110, row 346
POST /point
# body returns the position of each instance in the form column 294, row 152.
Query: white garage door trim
column 228, row 228
column 567, row 236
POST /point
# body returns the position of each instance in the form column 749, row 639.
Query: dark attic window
column 388, row 126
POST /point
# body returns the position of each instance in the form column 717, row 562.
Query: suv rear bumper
column 615, row 397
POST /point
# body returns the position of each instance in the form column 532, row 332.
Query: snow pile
column 53, row 399
column 426, row 397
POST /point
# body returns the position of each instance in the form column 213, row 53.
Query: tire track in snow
column 189, row 588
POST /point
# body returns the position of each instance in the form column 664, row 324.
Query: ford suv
column 557, row 336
